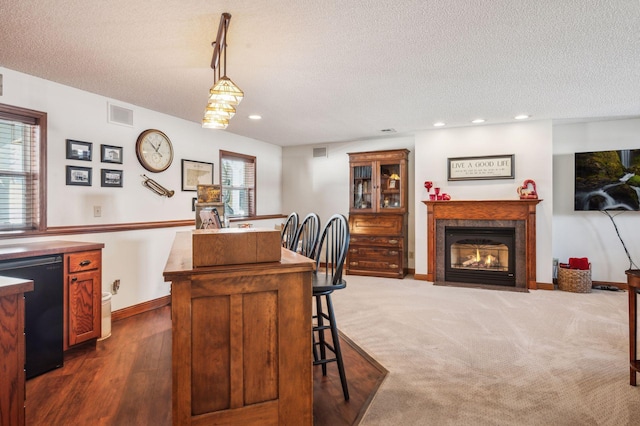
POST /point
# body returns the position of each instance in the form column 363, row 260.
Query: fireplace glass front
column 480, row 255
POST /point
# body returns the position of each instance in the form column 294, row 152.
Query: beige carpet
column 460, row 356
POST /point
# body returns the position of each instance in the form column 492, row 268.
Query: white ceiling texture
column 323, row 71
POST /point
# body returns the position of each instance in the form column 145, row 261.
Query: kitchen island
column 241, row 349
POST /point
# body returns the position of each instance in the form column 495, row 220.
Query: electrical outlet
column 97, row 211
column 410, row 255
column 115, row 287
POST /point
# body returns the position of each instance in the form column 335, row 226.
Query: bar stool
column 330, row 256
column 307, row 236
column 288, row 233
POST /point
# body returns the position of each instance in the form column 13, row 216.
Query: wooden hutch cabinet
column 378, row 213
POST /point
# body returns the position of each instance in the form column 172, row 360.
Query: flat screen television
column 607, row 180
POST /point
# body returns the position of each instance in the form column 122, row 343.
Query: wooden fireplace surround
column 524, row 210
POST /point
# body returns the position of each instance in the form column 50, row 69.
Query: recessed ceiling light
column 438, row 124
column 521, row 117
column 478, row 121
column 255, row 117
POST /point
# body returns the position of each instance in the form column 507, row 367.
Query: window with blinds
column 238, row 179
column 22, row 172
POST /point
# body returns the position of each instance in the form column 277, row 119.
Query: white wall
column 136, row 258
column 591, row 234
column 530, row 142
column 321, row 185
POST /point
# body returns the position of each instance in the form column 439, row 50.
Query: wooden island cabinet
column 12, row 342
column 241, row 337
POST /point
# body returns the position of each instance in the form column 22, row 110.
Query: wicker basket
column 575, row 280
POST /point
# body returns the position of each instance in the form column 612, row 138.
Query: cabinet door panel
column 84, row 306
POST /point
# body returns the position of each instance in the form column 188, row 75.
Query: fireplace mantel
column 519, row 210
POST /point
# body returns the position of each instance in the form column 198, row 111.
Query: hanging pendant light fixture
column 225, row 95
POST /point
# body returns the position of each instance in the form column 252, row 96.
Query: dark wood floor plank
column 126, row 380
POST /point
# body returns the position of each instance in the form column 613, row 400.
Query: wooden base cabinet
column 12, row 342
column 378, row 245
column 83, row 279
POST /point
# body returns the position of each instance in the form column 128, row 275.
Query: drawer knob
column 353, row 263
column 393, row 266
column 74, row 279
column 393, row 241
column 393, row 253
column 354, row 250
column 85, row 263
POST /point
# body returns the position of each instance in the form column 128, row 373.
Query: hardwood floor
column 126, row 380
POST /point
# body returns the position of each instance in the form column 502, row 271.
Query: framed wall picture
column 111, row 178
column 196, row 173
column 79, row 176
column 111, row 154
column 79, row 150
column 477, row 168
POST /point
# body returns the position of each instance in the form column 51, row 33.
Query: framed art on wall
column 111, row 178
column 196, row 173
column 111, row 154
column 477, row 168
column 79, row 176
column 79, row 150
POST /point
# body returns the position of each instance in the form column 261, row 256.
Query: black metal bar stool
column 330, row 256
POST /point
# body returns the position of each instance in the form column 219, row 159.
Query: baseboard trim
column 140, row 308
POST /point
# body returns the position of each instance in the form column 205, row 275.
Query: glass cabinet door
column 362, row 187
column 391, row 179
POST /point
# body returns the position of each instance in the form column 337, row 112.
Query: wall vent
column 320, row 152
column 120, row 115
column 0, row 84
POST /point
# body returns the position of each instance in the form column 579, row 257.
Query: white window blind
column 238, row 178
column 21, row 182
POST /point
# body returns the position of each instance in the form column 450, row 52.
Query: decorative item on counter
column 528, row 190
column 446, row 197
column 428, row 185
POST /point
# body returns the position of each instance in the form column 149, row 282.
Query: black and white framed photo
column 79, row 176
column 79, row 150
column 111, row 154
column 111, row 178
column 196, row 173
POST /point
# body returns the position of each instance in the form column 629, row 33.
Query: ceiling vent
column 390, row 130
column 320, row 152
column 120, row 115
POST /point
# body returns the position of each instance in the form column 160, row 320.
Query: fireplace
column 517, row 215
column 480, row 255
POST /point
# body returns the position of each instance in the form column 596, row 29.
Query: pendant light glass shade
column 225, row 91
column 219, row 110
column 215, row 123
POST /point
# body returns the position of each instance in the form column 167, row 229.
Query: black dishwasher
column 43, row 310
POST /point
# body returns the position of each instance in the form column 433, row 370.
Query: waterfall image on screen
column 607, row 180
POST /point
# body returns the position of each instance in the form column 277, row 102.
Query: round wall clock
column 154, row 150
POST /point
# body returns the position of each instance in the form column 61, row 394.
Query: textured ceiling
column 328, row 70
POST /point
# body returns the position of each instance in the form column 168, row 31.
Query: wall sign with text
column 474, row 168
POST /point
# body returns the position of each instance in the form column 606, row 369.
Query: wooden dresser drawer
column 375, row 253
column 357, row 240
column 84, row 261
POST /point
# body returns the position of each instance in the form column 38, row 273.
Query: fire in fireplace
column 480, row 255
